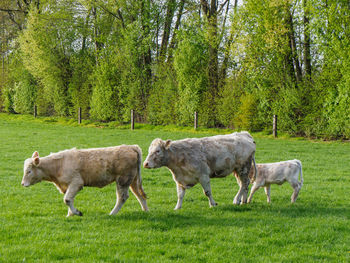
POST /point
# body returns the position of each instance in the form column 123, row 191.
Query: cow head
column 32, row 174
column 157, row 154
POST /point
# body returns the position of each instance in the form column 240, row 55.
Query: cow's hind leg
column 205, row 182
column 268, row 193
column 122, row 196
column 137, row 190
column 243, row 191
column 69, row 196
column 243, row 179
column 296, row 186
column 180, row 195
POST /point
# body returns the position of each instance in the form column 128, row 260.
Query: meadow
column 34, row 227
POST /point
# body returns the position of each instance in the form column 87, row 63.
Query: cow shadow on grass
column 228, row 215
column 309, row 211
column 166, row 221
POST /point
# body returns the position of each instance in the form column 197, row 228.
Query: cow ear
column 35, row 154
column 167, row 144
column 36, row 161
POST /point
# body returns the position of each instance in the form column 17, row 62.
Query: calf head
column 32, row 174
column 157, row 154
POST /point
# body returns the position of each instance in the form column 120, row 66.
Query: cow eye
column 158, row 151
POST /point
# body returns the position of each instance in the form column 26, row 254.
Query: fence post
column 195, row 120
column 35, row 111
column 274, row 128
column 79, row 115
column 132, row 120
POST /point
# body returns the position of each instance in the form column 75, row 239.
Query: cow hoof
column 236, row 202
column 79, row 213
column 215, row 204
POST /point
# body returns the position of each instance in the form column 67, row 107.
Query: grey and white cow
column 196, row 160
column 71, row 170
column 277, row 173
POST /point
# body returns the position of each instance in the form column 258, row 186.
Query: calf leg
column 122, row 196
column 137, row 190
column 205, row 182
column 252, row 191
column 268, row 193
column 296, row 186
column 69, row 196
column 180, row 195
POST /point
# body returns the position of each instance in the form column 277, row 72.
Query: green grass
column 34, row 227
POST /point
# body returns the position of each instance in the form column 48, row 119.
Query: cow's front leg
column 69, row 196
column 180, row 195
column 122, row 196
column 205, row 182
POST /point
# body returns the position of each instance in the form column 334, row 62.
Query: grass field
column 34, row 227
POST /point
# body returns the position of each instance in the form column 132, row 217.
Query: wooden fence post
column 79, row 115
column 132, row 120
column 195, row 120
column 274, row 127
column 35, row 111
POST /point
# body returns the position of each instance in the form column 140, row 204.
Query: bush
column 24, row 97
column 161, row 103
column 246, row 117
column 104, row 93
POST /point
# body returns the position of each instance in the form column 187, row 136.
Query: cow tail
column 255, row 168
column 139, row 178
column 301, row 173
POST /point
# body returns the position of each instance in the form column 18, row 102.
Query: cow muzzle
column 25, row 184
column 146, row 165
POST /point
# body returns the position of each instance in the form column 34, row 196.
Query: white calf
column 277, row 173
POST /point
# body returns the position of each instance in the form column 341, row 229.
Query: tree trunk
column 213, row 72
column 223, row 70
column 177, row 25
column 147, row 55
column 96, row 42
column 307, row 50
column 293, row 56
column 167, row 27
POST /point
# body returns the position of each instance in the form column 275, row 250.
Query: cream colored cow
column 196, row 160
column 70, row 170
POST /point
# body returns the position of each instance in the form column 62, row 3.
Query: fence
column 195, row 120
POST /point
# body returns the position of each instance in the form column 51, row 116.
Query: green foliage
column 190, row 62
column 235, row 66
column 45, row 60
column 246, row 118
column 23, row 86
column 134, row 62
column 7, row 96
column 24, row 95
column 163, row 98
column 80, row 86
column 104, row 94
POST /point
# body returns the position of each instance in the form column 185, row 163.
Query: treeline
column 235, row 63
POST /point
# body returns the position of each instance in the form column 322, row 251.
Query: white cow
column 277, row 173
column 70, row 170
column 196, row 160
